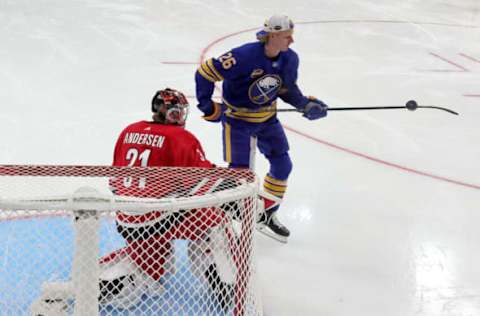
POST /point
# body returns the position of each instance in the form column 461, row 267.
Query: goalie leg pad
column 119, row 283
column 153, row 256
column 213, row 263
column 123, row 281
column 44, row 307
column 54, row 299
column 216, row 250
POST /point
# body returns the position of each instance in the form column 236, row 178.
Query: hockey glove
column 315, row 109
column 214, row 114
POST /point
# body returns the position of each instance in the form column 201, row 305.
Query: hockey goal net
column 103, row 240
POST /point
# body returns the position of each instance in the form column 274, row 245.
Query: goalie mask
column 170, row 106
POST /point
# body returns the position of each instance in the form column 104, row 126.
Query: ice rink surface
column 384, row 206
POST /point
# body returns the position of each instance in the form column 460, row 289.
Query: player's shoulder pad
column 292, row 55
column 134, row 125
column 187, row 135
column 246, row 51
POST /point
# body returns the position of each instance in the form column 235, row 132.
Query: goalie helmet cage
column 184, row 236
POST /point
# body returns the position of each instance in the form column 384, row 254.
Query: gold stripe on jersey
column 204, row 74
column 228, row 144
column 212, row 67
column 248, row 115
column 268, row 109
column 208, row 71
column 251, row 120
column 252, row 114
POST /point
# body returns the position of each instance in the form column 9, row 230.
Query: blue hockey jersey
column 251, row 82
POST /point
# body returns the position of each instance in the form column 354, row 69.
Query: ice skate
column 269, row 225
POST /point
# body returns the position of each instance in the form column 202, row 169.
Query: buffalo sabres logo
column 264, row 89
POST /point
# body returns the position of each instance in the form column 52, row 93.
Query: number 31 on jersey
column 132, row 157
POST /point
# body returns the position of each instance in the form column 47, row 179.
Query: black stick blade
column 438, row 108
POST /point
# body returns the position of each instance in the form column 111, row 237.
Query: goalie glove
column 315, row 109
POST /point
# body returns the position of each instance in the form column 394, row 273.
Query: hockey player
column 254, row 75
column 139, row 267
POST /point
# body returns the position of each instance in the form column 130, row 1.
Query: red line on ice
column 179, row 63
column 470, row 58
column 461, row 68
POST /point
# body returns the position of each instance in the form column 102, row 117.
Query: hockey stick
column 410, row 105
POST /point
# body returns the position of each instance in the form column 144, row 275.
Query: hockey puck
column 411, row 105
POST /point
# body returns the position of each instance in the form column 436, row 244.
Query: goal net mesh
column 103, row 240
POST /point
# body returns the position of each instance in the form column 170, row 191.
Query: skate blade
column 267, row 232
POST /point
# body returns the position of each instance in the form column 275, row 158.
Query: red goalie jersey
column 155, row 145
column 152, row 144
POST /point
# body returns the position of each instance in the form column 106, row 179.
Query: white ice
column 384, row 206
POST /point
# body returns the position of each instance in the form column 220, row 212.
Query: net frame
column 86, row 203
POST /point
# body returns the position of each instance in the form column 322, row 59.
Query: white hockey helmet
column 276, row 23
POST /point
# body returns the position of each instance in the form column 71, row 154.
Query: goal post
column 104, row 240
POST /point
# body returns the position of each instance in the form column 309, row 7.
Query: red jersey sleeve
column 188, row 151
column 116, row 152
column 197, row 156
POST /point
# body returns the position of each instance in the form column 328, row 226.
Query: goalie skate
column 49, row 307
column 122, row 284
column 54, row 299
